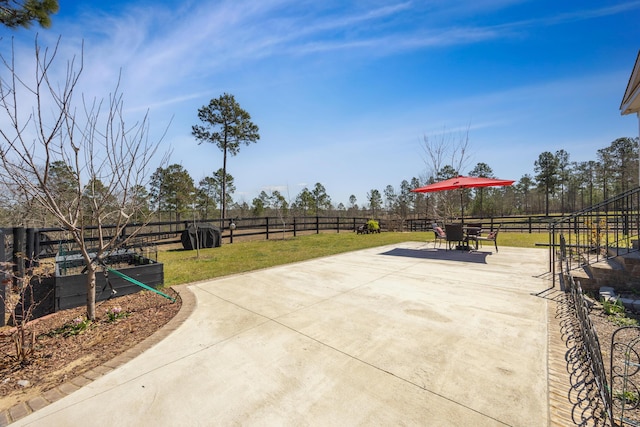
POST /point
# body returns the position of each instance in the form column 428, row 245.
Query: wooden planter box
column 71, row 291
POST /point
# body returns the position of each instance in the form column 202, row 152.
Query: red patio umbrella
column 461, row 182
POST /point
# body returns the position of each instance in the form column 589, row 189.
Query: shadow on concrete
column 441, row 254
column 587, row 406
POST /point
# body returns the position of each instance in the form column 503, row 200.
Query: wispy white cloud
column 551, row 18
column 586, row 14
column 200, row 41
column 164, row 51
column 173, row 47
column 169, row 101
column 173, row 55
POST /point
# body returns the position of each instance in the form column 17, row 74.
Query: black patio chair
column 491, row 237
column 439, row 234
column 455, row 235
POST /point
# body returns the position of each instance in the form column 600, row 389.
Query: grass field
column 182, row 266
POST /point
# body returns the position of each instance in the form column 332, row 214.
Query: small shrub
column 20, row 303
column 612, row 308
column 373, row 226
column 616, row 313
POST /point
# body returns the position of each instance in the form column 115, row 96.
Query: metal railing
column 612, row 399
column 610, row 228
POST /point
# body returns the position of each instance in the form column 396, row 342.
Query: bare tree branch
column 79, row 165
column 445, row 155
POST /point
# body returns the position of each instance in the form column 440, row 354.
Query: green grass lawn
column 182, row 266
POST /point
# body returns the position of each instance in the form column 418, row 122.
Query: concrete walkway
column 396, row 335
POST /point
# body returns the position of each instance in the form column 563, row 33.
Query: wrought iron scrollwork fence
column 625, row 375
column 591, row 354
column 618, row 391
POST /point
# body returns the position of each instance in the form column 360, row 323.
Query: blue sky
column 344, row 92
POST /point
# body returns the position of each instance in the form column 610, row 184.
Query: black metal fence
column 615, row 401
column 605, row 230
column 625, row 375
column 609, row 229
column 593, row 381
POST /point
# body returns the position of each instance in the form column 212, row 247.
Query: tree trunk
column 223, row 210
column 91, row 292
column 546, row 200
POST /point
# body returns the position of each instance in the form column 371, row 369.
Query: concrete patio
column 395, row 335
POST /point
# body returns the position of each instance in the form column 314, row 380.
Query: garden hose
column 136, row 282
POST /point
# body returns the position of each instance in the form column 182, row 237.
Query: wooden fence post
column 19, row 251
column 32, row 248
column 317, row 224
column 294, row 226
column 267, row 218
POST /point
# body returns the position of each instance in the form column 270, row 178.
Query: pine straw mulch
column 64, row 349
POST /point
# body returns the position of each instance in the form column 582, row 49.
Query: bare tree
column 44, row 135
column 445, row 149
column 445, row 154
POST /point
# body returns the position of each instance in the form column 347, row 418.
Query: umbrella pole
column 461, row 207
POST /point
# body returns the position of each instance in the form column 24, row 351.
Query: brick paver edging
column 23, row 409
column 559, row 382
column 572, row 400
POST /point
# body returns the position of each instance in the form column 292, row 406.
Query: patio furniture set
column 464, row 236
column 460, row 234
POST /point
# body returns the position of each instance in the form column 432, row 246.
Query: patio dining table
column 462, row 234
column 471, row 233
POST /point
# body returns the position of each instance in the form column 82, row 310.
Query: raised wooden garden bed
column 71, row 284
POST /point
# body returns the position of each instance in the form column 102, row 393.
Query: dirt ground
column 65, row 347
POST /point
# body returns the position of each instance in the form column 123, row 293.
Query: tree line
column 559, row 185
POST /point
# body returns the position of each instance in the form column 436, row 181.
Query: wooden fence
column 168, row 232
column 52, row 240
column 517, row 224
